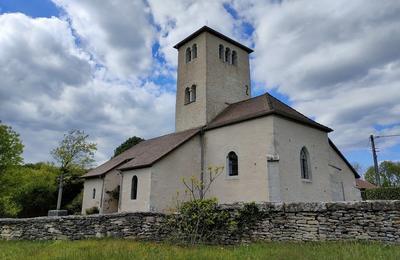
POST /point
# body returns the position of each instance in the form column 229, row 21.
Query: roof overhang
column 213, row 32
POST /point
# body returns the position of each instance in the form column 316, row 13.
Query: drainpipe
column 202, row 151
column 101, row 197
column 120, row 191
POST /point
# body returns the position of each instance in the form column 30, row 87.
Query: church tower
column 213, row 72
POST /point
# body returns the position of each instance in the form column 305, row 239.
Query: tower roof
column 214, row 32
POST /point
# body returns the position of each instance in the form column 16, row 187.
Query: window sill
column 235, row 177
column 306, row 181
column 188, row 103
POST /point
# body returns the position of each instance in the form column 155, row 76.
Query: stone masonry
column 321, row 221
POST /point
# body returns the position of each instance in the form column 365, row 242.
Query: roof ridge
column 274, row 98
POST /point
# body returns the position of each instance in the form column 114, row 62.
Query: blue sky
column 110, row 68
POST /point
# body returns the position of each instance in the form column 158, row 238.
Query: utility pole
column 377, row 179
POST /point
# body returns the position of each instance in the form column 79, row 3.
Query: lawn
column 126, row 249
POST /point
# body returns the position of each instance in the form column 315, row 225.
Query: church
column 268, row 151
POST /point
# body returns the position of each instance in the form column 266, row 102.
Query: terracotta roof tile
column 363, row 184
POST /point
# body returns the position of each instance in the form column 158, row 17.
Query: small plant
column 92, row 210
column 114, row 193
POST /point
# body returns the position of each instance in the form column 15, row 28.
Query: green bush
column 384, row 193
column 92, row 210
column 75, row 206
column 199, row 221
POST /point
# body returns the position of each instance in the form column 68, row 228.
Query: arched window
column 187, row 95
column 247, row 90
column 194, row 51
column 221, row 51
column 188, row 55
column 305, row 164
column 234, row 58
column 192, row 93
column 228, row 55
column 232, row 160
column 94, row 193
column 134, row 187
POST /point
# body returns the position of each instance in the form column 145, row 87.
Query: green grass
column 126, row 249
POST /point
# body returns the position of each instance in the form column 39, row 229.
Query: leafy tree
column 389, row 174
column 130, row 142
column 28, row 191
column 11, row 147
column 73, row 151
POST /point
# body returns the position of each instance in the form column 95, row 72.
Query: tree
column 74, row 150
column 389, row 174
column 11, row 147
column 130, row 142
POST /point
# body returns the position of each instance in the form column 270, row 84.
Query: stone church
column 268, row 150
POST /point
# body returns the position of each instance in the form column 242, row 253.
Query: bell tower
column 213, row 72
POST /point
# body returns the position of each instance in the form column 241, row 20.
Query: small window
column 194, row 51
column 228, row 55
column 187, row 95
column 305, row 164
column 188, row 55
column 134, row 187
column 234, row 58
column 233, row 169
column 94, row 193
column 192, row 94
column 221, row 52
column 247, row 90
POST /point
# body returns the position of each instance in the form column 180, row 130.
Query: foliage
column 389, row 174
column 127, row 249
column 130, row 142
column 11, row 148
column 114, row 193
column 75, row 206
column 383, row 193
column 30, row 190
column 198, row 221
column 92, row 210
column 74, row 151
column 196, row 188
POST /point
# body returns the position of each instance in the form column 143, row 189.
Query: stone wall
column 378, row 220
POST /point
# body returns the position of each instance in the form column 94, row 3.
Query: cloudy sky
column 109, row 68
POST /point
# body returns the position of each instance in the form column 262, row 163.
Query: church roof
column 145, row 153
column 260, row 106
column 214, row 32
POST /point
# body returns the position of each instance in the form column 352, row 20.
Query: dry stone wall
column 378, row 221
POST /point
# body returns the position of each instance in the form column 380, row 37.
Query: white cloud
column 50, row 85
column 336, row 60
column 117, row 33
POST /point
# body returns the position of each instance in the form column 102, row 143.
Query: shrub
column 92, row 210
column 383, row 193
column 199, row 221
column 75, row 206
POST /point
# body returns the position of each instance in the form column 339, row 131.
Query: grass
column 126, row 249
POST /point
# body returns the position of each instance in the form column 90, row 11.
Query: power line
column 381, row 136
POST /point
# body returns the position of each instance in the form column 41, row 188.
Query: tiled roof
column 261, row 106
column 363, row 184
column 145, row 153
